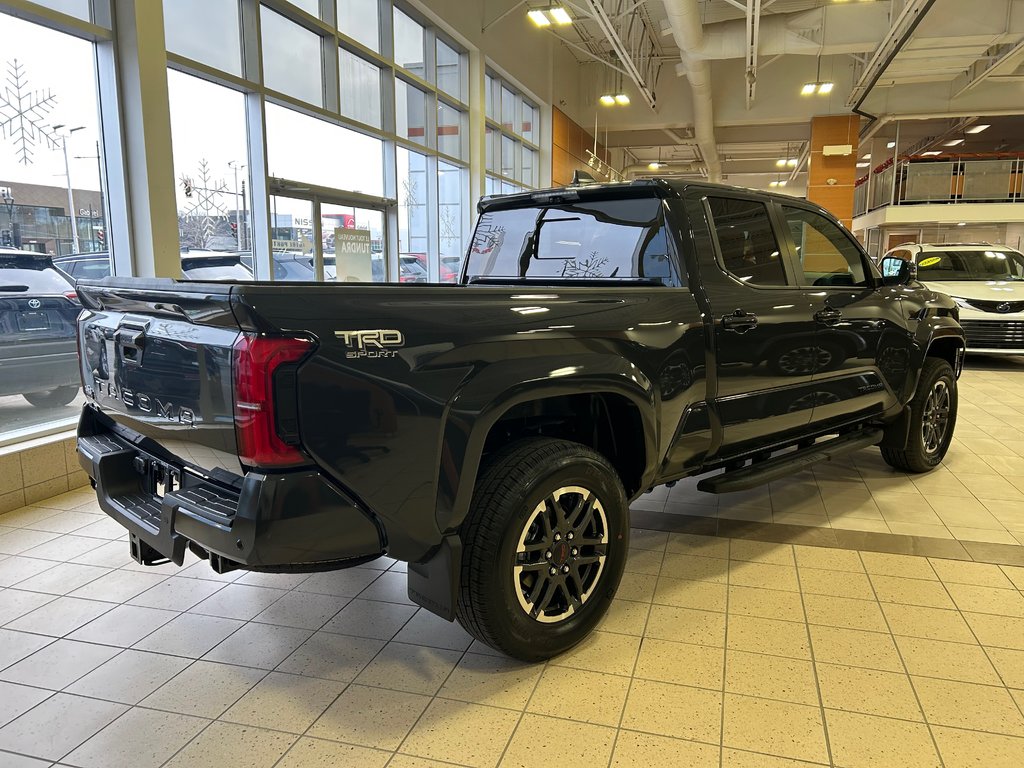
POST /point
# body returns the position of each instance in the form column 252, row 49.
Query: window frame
column 781, row 239
column 797, row 265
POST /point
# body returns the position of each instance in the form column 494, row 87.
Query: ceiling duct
column 688, row 31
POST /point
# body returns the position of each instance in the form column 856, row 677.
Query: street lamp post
column 71, row 195
column 235, row 165
column 8, row 199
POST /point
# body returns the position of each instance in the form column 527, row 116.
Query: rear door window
column 749, row 248
column 587, row 239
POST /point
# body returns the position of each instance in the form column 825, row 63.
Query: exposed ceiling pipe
column 663, row 168
column 688, row 31
column 833, row 29
column 884, row 120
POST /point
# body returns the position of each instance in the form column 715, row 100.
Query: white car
column 986, row 281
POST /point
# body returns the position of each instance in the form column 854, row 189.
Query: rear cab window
column 621, row 238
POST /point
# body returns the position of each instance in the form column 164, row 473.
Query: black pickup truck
column 604, row 339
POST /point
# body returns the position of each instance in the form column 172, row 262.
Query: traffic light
column 101, row 237
column 234, row 230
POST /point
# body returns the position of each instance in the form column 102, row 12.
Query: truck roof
column 661, row 186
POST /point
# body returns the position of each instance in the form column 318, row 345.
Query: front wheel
column 545, row 544
column 932, row 420
column 52, row 398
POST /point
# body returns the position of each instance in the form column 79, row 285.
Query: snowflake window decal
column 23, row 114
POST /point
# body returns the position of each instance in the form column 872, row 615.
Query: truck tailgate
column 156, row 357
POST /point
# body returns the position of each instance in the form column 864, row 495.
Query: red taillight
column 72, row 295
column 257, row 358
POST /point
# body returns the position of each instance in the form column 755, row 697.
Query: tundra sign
column 352, row 252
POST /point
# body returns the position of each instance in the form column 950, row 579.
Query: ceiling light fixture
column 539, row 18
column 819, row 86
column 931, row 153
column 953, row 143
column 780, row 183
column 654, row 166
column 545, row 17
column 825, row 88
column 781, row 163
column 890, row 145
column 978, row 128
column 608, row 100
column 866, row 157
column 808, row 89
column 863, row 165
column 622, row 99
column 560, row 16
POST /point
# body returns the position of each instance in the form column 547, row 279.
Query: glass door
column 321, row 235
column 353, row 245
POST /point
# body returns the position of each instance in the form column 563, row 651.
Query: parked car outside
column 195, row 265
column 985, row 280
column 38, row 311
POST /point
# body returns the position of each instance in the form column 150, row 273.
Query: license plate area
column 158, row 478
column 33, row 321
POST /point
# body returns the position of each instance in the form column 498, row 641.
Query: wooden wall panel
column 569, row 151
column 836, row 197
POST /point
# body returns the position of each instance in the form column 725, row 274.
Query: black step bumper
column 288, row 521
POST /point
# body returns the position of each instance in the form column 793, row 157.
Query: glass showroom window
column 303, row 148
column 358, row 19
column 52, row 222
column 360, row 89
column 208, row 132
column 291, row 58
column 410, row 112
column 513, row 130
column 215, row 42
column 451, row 71
column 451, row 219
column 409, row 47
column 451, row 131
column 413, row 212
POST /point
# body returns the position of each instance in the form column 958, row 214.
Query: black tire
column 52, row 398
column 506, row 512
column 926, row 449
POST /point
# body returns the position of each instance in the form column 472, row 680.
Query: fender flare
column 484, row 398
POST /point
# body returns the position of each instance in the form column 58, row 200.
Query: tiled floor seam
column 725, row 660
column 351, row 682
column 984, row 649
column 903, row 661
column 814, row 663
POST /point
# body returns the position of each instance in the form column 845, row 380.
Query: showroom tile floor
column 976, row 495
column 717, row 651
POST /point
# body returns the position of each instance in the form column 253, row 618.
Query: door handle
column 739, row 321
column 828, row 316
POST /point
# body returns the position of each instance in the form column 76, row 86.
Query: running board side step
column 765, row 471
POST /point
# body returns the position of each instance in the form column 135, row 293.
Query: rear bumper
column 287, row 521
column 38, row 371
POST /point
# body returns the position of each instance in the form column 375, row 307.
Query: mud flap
column 897, row 432
column 434, row 583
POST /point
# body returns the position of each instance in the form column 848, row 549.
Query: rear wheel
column 544, row 547
column 932, row 420
column 52, row 398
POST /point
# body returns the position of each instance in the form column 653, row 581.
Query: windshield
column 589, row 239
column 995, row 264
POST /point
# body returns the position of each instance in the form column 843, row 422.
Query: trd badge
column 371, row 343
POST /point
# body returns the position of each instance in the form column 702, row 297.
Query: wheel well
column 606, row 422
column 946, row 349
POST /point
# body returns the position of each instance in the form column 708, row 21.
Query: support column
column 146, row 127
column 830, row 179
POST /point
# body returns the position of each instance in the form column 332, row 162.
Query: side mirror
column 897, row 271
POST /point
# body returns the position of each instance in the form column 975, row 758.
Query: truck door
column 862, row 346
column 761, row 321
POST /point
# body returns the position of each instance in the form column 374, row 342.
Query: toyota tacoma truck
column 603, row 339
